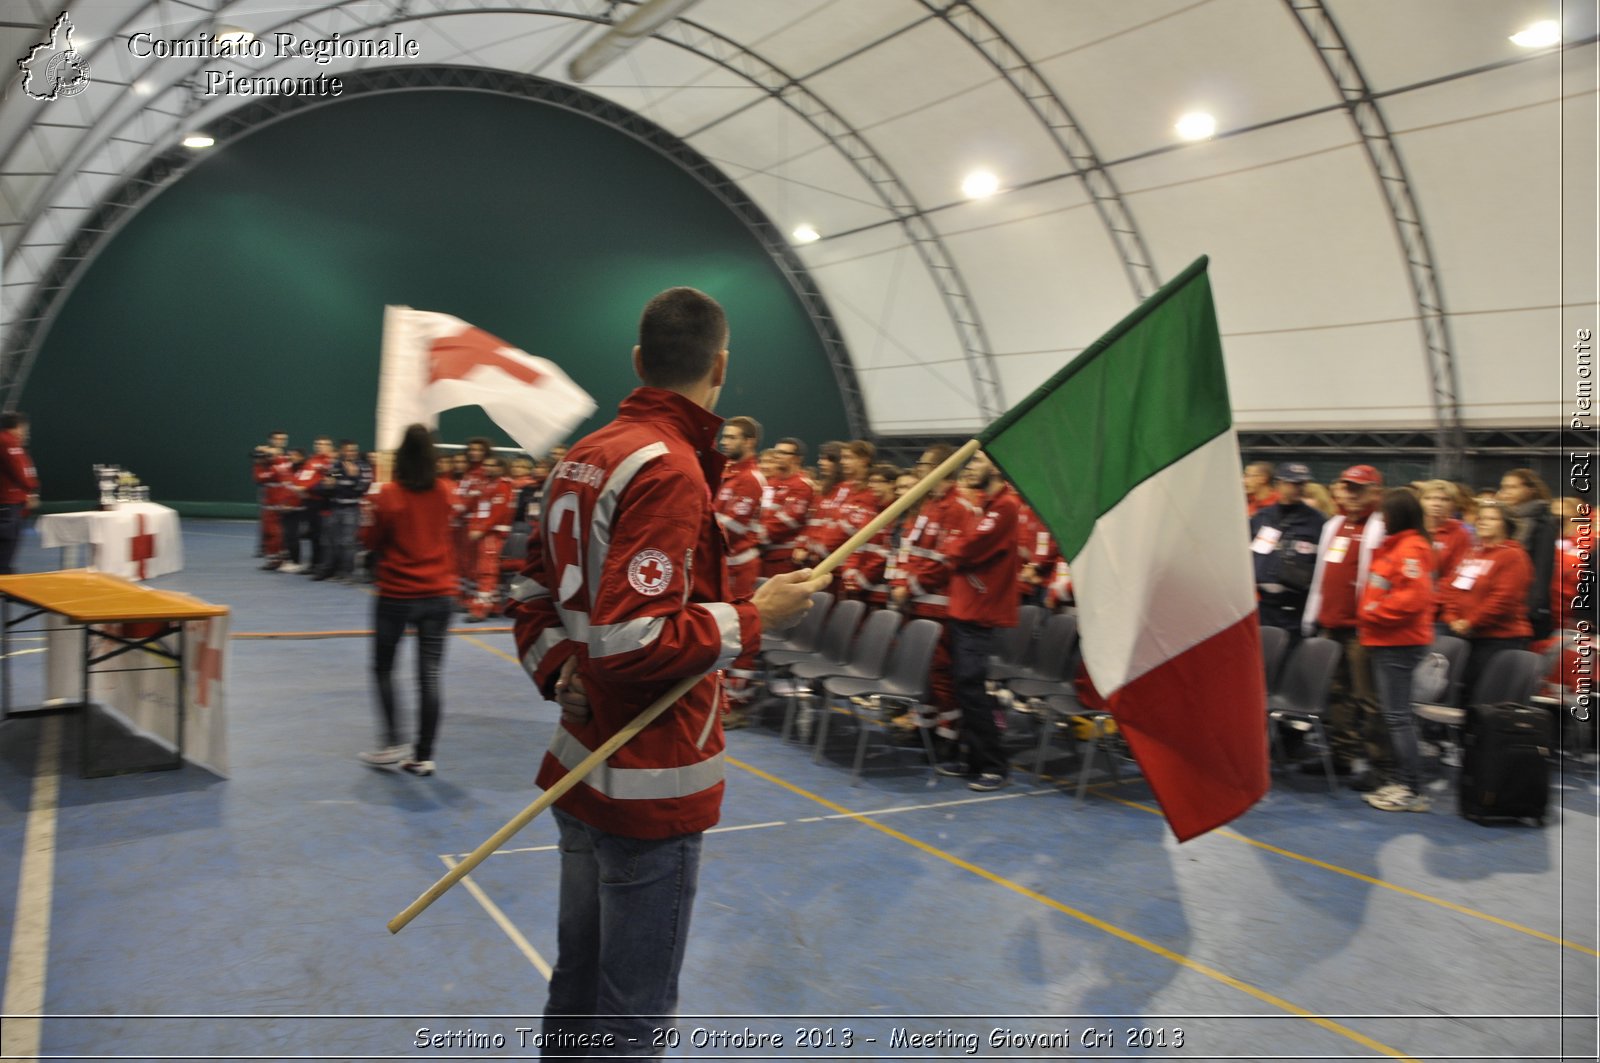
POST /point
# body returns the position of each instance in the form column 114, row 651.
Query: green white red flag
column 1128, row 454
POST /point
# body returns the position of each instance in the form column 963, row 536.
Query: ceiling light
column 233, row 35
column 197, row 141
column 805, row 234
column 1196, row 125
column 980, row 183
column 1539, row 35
column 143, row 88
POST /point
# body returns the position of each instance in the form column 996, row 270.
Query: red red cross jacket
column 983, row 565
column 1489, row 590
column 275, row 477
column 628, row 576
column 739, row 514
column 1036, row 551
column 865, row 572
column 1397, row 604
column 18, row 479
column 920, row 566
column 784, row 510
column 495, row 506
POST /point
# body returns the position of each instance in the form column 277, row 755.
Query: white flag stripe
column 1167, row 568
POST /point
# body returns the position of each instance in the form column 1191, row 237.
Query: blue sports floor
column 175, row 915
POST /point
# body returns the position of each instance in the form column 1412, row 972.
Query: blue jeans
column 431, row 618
column 341, row 527
column 624, row 921
column 1392, row 667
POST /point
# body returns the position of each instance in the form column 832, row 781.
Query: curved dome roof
column 1398, row 200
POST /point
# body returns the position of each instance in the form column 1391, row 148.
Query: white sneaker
column 1401, row 800
column 291, row 568
column 417, row 767
column 386, row 758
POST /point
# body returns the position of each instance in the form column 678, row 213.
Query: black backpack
column 1505, row 767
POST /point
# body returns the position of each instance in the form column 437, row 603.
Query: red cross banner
column 144, row 692
column 433, row 362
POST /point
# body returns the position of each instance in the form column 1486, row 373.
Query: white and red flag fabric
column 434, row 362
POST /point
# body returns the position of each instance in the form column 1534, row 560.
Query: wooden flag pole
column 679, row 689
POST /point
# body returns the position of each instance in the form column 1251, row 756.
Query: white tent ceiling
column 1315, row 296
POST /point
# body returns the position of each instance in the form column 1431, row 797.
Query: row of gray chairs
column 1298, row 692
column 866, row 667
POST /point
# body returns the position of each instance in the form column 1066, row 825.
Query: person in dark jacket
column 1527, row 499
column 345, row 486
column 1283, row 549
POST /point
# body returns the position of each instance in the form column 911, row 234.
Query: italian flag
column 1128, row 455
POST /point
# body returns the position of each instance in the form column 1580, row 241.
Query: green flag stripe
column 1141, row 397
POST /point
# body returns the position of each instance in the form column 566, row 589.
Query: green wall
column 250, row 294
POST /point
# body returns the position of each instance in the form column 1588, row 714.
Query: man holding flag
column 625, row 595
column 982, row 597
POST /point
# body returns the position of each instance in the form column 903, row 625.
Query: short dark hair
column 1401, row 511
column 749, row 426
column 680, row 334
column 414, row 467
column 347, row 442
column 799, row 447
column 12, row 419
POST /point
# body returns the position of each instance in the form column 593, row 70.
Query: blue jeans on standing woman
column 431, row 618
column 624, row 921
column 1392, row 668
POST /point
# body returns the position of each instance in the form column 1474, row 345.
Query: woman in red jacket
column 1395, row 625
column 1485, row 599
column 409, row 532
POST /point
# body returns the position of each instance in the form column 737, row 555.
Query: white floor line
column 30, row 929
column 502, row 921
column 810, row 819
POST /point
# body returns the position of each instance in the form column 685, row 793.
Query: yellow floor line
column 497, row 651
column 501, row 920
column 1099, row 924
column 1369, row 880
column 30, row 930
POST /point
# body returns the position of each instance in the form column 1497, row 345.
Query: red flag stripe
column 1198, row 726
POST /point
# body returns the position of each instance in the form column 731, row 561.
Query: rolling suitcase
column 1505, row 770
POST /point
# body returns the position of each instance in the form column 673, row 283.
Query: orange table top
column 88, row 597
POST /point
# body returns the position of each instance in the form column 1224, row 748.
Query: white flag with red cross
column 434, row 362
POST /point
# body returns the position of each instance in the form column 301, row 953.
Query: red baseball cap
column 1365, row 475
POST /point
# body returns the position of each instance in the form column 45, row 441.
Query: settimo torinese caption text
column 275, row 46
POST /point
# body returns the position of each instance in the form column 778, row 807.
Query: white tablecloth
column 134, row 540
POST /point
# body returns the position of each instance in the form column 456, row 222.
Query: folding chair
column 1274, row 646
column 1302, row 695
column 843, row 619
column 866, row 661
column 905, row 681
column 1511, row 675
column 1014, row 646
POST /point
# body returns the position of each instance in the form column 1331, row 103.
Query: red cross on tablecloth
column 650, row 571
column 142, row 547
column 208, row 659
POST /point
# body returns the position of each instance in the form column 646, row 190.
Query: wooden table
column 118, row 611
